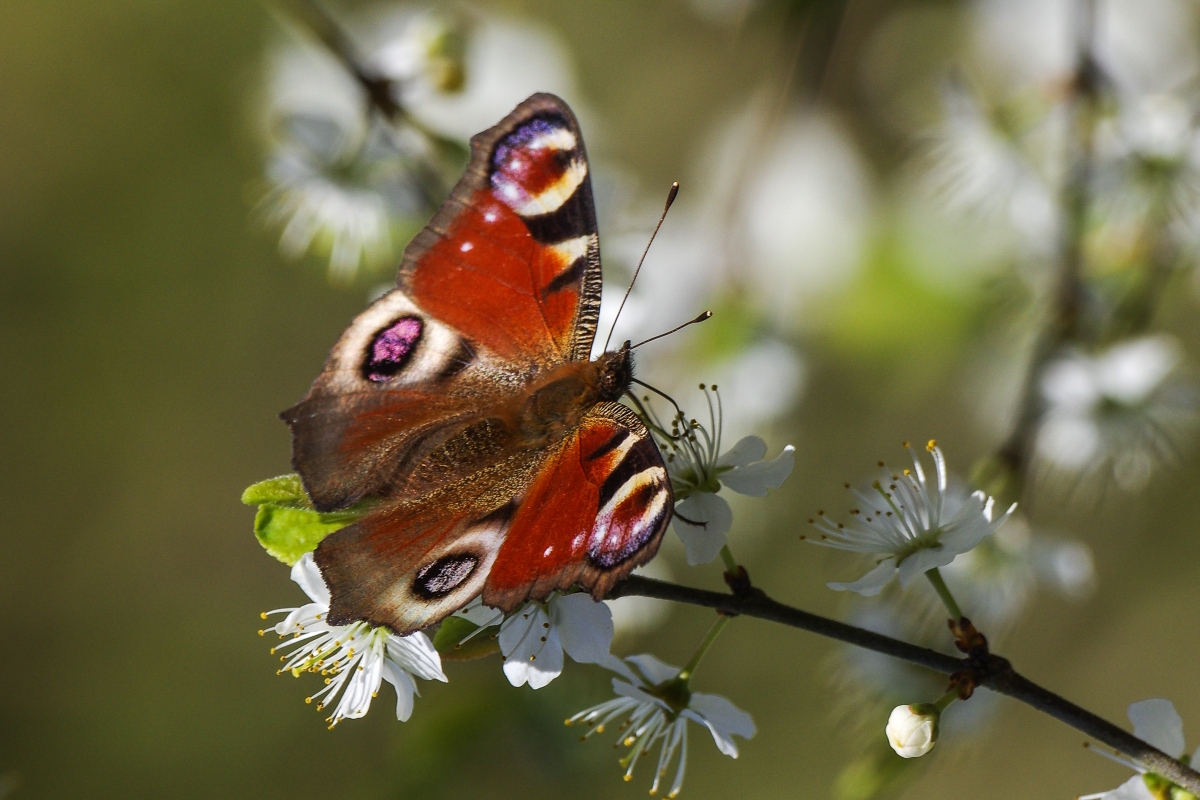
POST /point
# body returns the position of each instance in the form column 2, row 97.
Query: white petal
column 703, row 542
column 308, row 577
column 1157, row 722
column 1195, row 758
column 920, row 562
column 477, row 613
column 871, row 583
column 755, row 479
column 584, row 626
column 618, row 665
column 532, row 650
column 405, row 689
column 1133, row 789
column 723, row 719
column 746, row 451
column 416, row 654
column 655, row 671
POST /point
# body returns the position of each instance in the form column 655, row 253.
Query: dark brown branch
column 996, row 673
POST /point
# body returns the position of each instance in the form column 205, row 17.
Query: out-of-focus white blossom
column 908, row 527
column 912, row 730
column 1157, row 723
column 356, row 658
column 699, row 470
column 804, row 215
column 991, row 162
column 998, row 578
column 1125, row 409
column 653, row 707
column 504, row 60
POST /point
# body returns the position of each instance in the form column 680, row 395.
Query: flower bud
column 912, row 730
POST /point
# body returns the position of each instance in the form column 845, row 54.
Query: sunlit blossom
column 699, row 470
column 652, row 709
column 355, row 659
column 908, row 525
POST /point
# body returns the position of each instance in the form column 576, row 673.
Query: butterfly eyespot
column 443, row 576
column 391, row 348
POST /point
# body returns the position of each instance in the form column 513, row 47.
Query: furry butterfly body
column 465, row 400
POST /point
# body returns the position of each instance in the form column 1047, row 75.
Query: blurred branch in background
column 1063, row 321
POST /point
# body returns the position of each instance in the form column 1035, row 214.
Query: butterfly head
column 616, row 372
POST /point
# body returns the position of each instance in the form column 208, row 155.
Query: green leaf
column 286, row 524
column 449, row 640
column 286, row 491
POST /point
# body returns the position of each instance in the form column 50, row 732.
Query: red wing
column 596, row 510
column 410, row 564
column 512, row 259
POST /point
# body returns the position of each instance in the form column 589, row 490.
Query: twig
column 1063, row 324
column 996, row 673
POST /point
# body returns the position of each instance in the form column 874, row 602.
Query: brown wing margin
column 512, row 258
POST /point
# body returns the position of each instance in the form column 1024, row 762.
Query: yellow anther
column 932, row 444
column 308, row 700
column 263, row 615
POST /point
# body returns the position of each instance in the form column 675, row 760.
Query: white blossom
column 699, row 470
column 1124, row 409
column 354, row 658
column 653, row 708
column 534, row 639
column 908, row 526
column 912, row 730
column 1157, row 723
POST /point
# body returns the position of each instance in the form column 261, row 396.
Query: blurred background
column 893, row 207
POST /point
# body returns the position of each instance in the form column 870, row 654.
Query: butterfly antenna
column 701, row 318
column 670, row 199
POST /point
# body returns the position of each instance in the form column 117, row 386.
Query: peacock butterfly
column 464, row 399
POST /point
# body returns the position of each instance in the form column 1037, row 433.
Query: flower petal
column 871, row 583
column 923, row 560
column 531, row 648
column 723, row 719
column 1133, row 789
column 1156, row 722
column 405, row 689
column 747, row 450
column 703, row 542
column 416, row 654
column 755, row 479
column 655, row 671
column 308, row 577
column 477, row 613
column 584, row 626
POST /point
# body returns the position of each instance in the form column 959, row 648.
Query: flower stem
column 946, row 699
column 939, row 586
column 686, row 673
column 731, row 564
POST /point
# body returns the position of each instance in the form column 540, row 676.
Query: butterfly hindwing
column 596, row 510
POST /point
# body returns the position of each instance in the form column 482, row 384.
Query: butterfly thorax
column 557, row 400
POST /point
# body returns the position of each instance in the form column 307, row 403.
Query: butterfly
column 465, row 402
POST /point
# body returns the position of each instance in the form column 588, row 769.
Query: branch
column 996, row 673
column 1076, row 200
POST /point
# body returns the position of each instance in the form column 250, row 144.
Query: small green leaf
column 286, row 491
column 449, row 640
column 288, row 533
column 286, row 524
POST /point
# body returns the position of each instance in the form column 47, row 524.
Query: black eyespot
column 391, row 348
column 444, row 575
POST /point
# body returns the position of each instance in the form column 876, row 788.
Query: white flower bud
column 912, row 730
